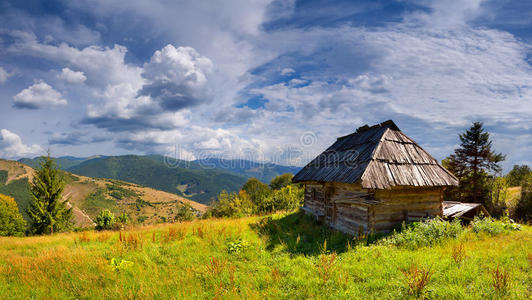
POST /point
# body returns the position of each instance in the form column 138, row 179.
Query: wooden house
column 374, row 179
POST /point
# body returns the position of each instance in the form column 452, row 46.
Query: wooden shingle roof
column 378, row 157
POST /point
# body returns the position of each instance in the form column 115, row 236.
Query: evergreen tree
column 47, row 211
column 473, row 163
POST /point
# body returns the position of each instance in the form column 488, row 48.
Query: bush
column 231, row 205
column 11, row 221
column 105, row 220
column 185, row 212
column 123, row 218
column 239, row 205
column 287, row 198
column 493, row 226
column 424, row 233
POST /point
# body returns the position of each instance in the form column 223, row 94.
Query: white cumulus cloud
column 11, row 146
column 177, row 77
column 70, row 76
column 39, row 95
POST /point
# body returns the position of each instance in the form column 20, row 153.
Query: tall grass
column 285, row 257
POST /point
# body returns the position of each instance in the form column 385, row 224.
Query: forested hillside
column 183, row 178
column 262, row 171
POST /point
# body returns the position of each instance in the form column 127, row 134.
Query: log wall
column 405, row 204
column 351, row 208
column 314, row 198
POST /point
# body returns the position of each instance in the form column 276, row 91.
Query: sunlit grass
column 285, row 260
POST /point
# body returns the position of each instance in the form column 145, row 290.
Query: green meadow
column 282, row 256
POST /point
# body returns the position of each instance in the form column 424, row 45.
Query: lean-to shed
column 374, row 179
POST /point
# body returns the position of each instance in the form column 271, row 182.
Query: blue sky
column 266, row 80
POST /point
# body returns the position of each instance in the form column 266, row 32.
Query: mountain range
column 199, row 180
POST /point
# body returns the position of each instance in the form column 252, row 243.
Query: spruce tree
column 473, row 163
column 47, row 211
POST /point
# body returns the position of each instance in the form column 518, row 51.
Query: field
column 281, row 257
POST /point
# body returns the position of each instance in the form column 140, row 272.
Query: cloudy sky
column 269, row 80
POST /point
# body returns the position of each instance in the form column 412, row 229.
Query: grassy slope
column 197, row 184
column 89, row 196
column 195, row 263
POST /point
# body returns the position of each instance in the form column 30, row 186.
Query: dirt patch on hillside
column 16, row 170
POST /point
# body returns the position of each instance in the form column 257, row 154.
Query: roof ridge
column 389, row 124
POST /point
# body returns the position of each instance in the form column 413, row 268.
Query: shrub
column 123, row 218
column 424, row 233
column 243, row 204
column 105, row 220
column 11, row 221
column 185, row 212
column 287, row 198
column 493, row 226
column 231, row 205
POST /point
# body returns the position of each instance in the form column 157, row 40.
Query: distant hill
column 184, row 178
column 265, row 172
column 63, row 162
column 199, row 180
column 88, row 196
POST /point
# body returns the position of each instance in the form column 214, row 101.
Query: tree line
column 257, row 198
